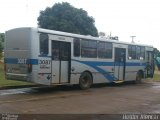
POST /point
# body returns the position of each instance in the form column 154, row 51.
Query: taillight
column 29, row 68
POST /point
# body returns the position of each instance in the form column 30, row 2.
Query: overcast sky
column 123, row 18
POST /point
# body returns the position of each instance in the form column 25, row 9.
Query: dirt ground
column 100, row 99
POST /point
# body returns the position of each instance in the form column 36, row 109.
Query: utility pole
column 133, row 38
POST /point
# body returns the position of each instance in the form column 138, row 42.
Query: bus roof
column 54, row 32
column 86, row 37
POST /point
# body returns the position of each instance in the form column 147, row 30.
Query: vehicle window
column 89, row 48
column 129, row 52
column 142, row 56
column 43, row 43
column 104, row 50
column 132, row 52
column 138, row 52
column 76, row 47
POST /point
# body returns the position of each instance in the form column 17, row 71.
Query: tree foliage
column 156, row 52
column 65, row 17
column 157, row 57
column 1, row 43
column 2, row 37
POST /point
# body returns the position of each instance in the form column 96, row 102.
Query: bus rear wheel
column 85, row 80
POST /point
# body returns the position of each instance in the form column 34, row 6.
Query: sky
column 122, row 18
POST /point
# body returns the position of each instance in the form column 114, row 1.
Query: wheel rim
column 85, row 80
column 139, row 77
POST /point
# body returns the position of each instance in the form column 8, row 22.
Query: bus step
column 118, row 81
column 58, row 84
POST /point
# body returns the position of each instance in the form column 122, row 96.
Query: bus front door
column 119, row 64
column 61, row 57
column 150, row 64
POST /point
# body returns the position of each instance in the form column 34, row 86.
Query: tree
column 156, row 52
column 101, row 34
column 2, row 37
column 157, row 57
column 65, row 17
column 1, row 44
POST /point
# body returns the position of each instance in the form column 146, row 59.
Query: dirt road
column 101, row 99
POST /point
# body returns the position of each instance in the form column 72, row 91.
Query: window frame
column 106, row 50
column 76, row 47
column 86, row 46
column 43, row 45
column 139, row 52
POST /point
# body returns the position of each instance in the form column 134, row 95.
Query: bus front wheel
column 85, row 80
column 139, row 77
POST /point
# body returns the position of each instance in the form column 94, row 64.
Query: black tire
column 138, row 78
column 85, row 80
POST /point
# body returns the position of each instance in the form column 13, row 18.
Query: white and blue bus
column 55, row 58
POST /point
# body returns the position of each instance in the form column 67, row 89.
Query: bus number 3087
column 44, row 62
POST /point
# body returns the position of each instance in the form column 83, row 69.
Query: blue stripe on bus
column 135, row 64
column 15, row 61
column 11, row 60
column 33, row 61
column 95, row 63
column 95, row 66
column 110, row 77
column 90, row 63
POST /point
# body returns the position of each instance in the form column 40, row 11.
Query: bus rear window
column 43, row 44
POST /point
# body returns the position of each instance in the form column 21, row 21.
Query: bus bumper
column 21, row 77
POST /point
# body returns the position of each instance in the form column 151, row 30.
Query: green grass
column 156, row 76
column 5, row 83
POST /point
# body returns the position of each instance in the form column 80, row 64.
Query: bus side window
column 138, row 52
column 132, row 52
column 76, row 47
column 105, row 50
column 89, row 48
column 129, row 52
column 142, row 53
column 43, row 44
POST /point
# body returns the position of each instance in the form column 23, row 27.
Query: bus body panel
column 100, row 74
column 24, row 59
column 44, row 70
column 17, row 53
